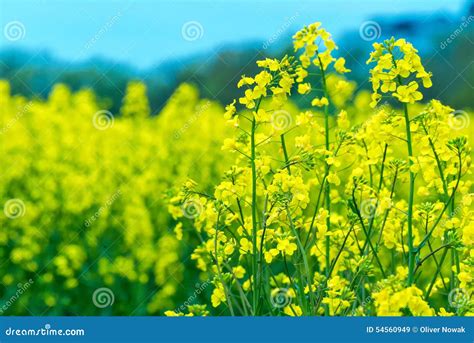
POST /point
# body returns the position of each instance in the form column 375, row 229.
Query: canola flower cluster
column 359, row 205
column 82, row 198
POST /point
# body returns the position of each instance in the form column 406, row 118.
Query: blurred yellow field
column 85, row 197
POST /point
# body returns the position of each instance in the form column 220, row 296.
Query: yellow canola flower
column 293, row 310
column 397, row 60
column 320, row 102
column 245, row 246
column 409, row 93
column 262, row 116
column 245, row 81
column 389, row 303
column 270, row 64
column 178, row 230
column 443, row 313
column 230, row 110
column 270, row 255
column 339, row 65
column 304, row 88
column 239, row 272
column 218, row 296
column 286, row 247
column 334, row 179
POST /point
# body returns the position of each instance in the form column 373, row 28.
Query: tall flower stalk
column 411, row 196
column 396, row 61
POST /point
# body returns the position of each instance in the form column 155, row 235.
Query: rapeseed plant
column 321, row 216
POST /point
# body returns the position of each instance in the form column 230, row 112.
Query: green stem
column 260, row 256
column 333, row 265
column 432, row 253
column 285, row 152
column 327, row 189
column 411, row 251
column 254, row 211
column 219, row 273
column 446, row 205
column 372, row 218
column 369, row 242
column 435, row 276
column 392, row 190
column 292, row 283
column 316, row 207
column 305, row 260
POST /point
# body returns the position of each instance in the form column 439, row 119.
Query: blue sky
column 145, row 32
